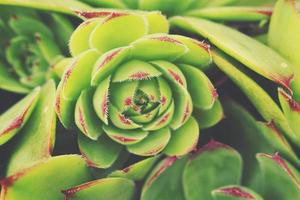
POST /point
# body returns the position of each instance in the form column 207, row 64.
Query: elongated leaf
column 232, row 13
column 286, row 18
column 67, row 7
column 46, row 179
column 277, row 170
column 102, row 189
column 259, row 98
column 16, row 117
column 36, row 140
column 243, row 48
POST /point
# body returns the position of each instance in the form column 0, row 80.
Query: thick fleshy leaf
column 198, row 54
column 161, row 121
column 125, row 137
column 108, row 63
column 47, row 47
column 52, row 5
column 102, row 189
column 135, row 70
column 167, row 7
column 165, row 94
column 79, row 72
column 20, row 25
column 200, row 87
column 147, row 117
column 210, row 117
column 69, row 89
column 137, row 171
column 286, row 18
column 101, row 100
column 153, row 144
column 259, row 98
column 158, row 47
column 85, row 116
column 37, row 138
column 165, row 181
column 79, row 40
column 235, row 192
column 101, row 153
column 46, row 179
column 232, row 13
column 291, row 110
column 213, row 3
column 122, row 94
column 112, row 26
column 278, row 173
column 184, row 139
column 260, row 137
column 183, row 108
column 213, row 166
column 120, row 120
column 16, row 117
column 171, row 72
column 248, row 51
column 9, row 82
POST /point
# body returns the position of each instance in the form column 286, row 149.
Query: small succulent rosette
column 30, row 43
column 130, row 86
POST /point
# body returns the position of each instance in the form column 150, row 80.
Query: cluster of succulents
column 111, row 97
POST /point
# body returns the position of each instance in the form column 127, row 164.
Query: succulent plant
column 136, row 97
column 28, row 52
column 132, row 91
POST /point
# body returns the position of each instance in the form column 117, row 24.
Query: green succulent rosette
column 135, row 90
column 31, row 42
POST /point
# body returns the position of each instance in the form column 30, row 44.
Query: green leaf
column 112, row 26
column 101, row 153
column 69, row 89
column 184, row 139
column 153, row 144
column 120, row 120
column 198, row 55
column 291, row 110
column 200, row 87
column 232, row 13
column 137, row 171
column 165, row 181
column 243, row 48
column 214, row 165
column 210, row 117
column 17, row 116
column 158, row 47
column 102, row 189
column 235, row 192
column 286, row 18
column 278, row 173
column 79, row 40
column 10, row 83
column 37, row 138
column 258, row 97
column 85, row 116
column 101, row 100
column 125, row 137
column 46, row 179
column 162, row 120
column 52, row 5
column 135, row 70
